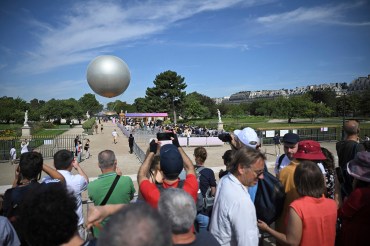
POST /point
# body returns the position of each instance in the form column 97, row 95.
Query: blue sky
column 220, row 46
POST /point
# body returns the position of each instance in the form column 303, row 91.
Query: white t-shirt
column 13, row 154
column 77, row 184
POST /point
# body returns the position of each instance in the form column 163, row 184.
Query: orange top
column 319, row 217
column 286, row 177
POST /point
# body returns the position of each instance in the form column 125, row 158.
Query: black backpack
column 203, row 202
column 280, row 161
column 270, row 198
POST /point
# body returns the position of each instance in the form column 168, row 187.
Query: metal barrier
column 46, row 145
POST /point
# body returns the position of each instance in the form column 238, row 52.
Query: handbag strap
column 110, row 190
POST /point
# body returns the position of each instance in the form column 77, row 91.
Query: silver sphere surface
column 108, row 76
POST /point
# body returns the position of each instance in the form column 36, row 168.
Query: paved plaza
column 129, row 163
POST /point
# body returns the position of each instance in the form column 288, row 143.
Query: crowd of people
column 323, row 205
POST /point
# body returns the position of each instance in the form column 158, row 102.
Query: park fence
column 47, row 145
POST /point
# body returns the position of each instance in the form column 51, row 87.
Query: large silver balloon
column 108, row 76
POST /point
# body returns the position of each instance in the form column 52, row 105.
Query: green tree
column 194, row 108
column 236, row 112
column 325, row 96
column 89, row 103
column 141, row 105
column 167, row 94
column 265, row 107
column 62, row 109
column 314, row 110
column 291, row 107
column 364, row 102
column 12, row 109
column 35, row 106
column 118, row 105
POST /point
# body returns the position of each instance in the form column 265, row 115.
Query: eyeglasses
column 258, row 172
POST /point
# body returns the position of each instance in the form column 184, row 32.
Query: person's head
column 137, row 224
column 227, row 157
column 47, row 215
column 329, row 162
column 351, row 127
column 247, row 137
column 170, row 161
column 200, row 155
column 248, row 165
column 87, row 140
column 179, row 208
column 30, row 165
column 63, row 159
column 130, row 135
column 309, row 150
column 359, row 168
column 107, row 159
column 290, row 142
column 309, row 180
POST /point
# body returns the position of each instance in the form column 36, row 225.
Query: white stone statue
column 87, row 115
column 25, row 118
column 219, row 116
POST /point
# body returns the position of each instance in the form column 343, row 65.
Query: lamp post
column 344, row 114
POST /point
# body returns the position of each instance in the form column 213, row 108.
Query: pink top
column 319, row 216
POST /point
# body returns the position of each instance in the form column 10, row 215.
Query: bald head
column 351, row 128
column 106, row 159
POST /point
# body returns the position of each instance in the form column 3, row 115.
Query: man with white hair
column 179, row 209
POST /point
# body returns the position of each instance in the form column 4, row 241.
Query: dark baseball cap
column 291, row 138
column 170, row 161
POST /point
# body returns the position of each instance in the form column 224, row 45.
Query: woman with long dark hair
column 311, row 217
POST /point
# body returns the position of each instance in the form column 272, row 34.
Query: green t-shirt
column 122, row 193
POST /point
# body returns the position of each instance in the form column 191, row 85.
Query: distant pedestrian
column 131, row 142
column 76, row 144
column 115, row 135
column 101, row 128
column 13, row 155
column 86, row 148
column 96, row 128
column 79, row 150
column 277, row 143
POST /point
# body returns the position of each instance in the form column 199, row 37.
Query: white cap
column 248, row 137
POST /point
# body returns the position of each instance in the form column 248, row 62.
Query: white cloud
column 87, row 28
column 329, row 14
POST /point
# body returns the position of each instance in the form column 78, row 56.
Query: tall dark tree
column 89, row 103
column 365, row 102
column 167, row 94
column 325, row 96
column 141, row 105
column 12, row 109
column 209, row 105
column 194, row 108
column 118, row 105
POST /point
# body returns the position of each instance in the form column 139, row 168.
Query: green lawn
column 50, row 132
